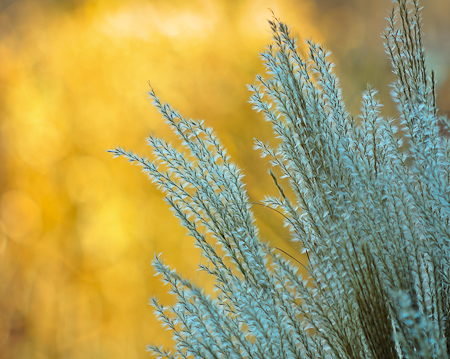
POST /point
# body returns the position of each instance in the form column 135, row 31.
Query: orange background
column 78, row 229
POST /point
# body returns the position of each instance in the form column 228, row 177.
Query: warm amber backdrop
column 78, row 229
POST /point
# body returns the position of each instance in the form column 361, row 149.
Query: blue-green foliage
column 374, row 218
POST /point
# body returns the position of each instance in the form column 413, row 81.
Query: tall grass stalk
column 373, row 216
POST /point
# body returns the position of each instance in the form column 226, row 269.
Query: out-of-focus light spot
column 104, row 239
column 186, row 23
column 19, row 214
column 146, row 21
column 87, row 178
column 32, row 135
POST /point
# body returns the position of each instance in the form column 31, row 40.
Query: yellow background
column 78, row 229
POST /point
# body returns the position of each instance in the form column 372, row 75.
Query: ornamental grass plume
column 372, row 214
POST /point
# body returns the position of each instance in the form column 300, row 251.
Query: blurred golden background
column 78, row 229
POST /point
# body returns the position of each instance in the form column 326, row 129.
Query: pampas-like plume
column 373, row 218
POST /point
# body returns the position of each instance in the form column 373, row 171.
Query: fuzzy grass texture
column 372, row 216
